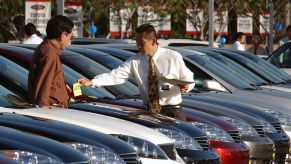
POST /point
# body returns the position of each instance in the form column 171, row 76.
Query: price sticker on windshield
column 77, row 89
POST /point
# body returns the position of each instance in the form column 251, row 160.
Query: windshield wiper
column 106, row 98
column 249, row 89
column 264, row 83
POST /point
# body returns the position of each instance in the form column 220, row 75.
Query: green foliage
column 12, row 14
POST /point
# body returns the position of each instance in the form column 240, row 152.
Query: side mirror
column 213, row 85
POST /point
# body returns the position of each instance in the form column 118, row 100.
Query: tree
column 11, row 25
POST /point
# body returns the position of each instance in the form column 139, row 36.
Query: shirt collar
column 55, row 46
column 34, row 36
column 157, row 53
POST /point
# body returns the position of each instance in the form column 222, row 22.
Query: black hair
column 57, row 25
column 30, row 29
column 150, row 31
column 239, row 35
column 288, row 27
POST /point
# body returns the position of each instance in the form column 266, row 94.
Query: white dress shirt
column 33, row 39
column 238, row 46
column 169, row 64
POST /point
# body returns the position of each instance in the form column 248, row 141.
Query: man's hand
column 69, row 90
column 85, row 82
column 184, row 88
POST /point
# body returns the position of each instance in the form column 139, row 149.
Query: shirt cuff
column 95, row 83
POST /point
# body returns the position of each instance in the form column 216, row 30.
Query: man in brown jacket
column 46, row 82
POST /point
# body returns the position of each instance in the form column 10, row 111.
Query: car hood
column 101, row 123
column 141, row 117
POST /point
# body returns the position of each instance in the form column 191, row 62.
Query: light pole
column 60, row 7
column 210, row 28
column 271, row 26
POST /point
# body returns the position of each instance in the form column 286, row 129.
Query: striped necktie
column 153, row 88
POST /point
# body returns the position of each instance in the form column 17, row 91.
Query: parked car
column 171, row 127
column 25, row 148
column 6, row 160
column 85, row 41
column 104, row 124
column 264, row 64
column 218, row 146
column 184, row 42
column 210, row 155
column 281, row 58
column 218, row 78
column 77, row 62
column 98, row 147
column 273, row 80
column 279, row 110
column 271, row 126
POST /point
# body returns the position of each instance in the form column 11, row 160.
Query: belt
column 166, row 107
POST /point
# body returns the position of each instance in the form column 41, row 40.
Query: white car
column 108, row 125
column 178, row 42
column 183, row 42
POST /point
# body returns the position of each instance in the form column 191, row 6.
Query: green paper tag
column 77, row 90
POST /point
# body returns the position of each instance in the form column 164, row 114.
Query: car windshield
column 100, row 57
column 209, row 64
column 72, row 76
column 13, row 73
column 116, row 52
column 10, row 100
column 236, row 68
column 267, row 66
column 282, row 59
column 253, row 66
column 91, row 69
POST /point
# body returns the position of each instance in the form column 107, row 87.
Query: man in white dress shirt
column 31, row 33
column 167, row 62
column 239, row 44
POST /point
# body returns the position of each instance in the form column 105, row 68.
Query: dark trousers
column 174, row 111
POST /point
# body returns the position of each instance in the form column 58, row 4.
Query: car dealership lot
column 229, row 120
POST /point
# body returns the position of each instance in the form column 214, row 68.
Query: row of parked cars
column 239, row 111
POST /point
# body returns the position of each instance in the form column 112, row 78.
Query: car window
column 10, row 100
column 282, row 58
column 90, row 69
column 252, row 66
column 13, row 73
column 212, row 67
column 236, row 68
column 267, row 66
column 102, row 58
column 72, row 76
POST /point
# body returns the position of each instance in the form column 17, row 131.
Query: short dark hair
column 239, row 35
column 30, row 29
column 150, row 31
column 57, row 25
column 288, row 27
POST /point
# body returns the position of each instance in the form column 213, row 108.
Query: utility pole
column 271, row 26
column 288, row 13
column 210, row 28
column 60, row 7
